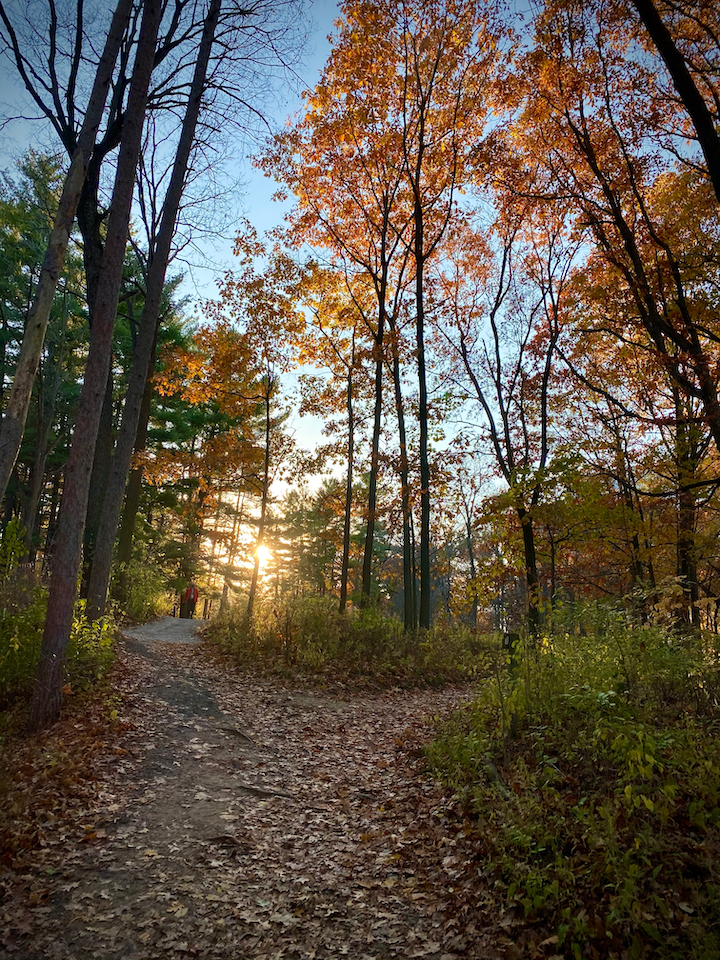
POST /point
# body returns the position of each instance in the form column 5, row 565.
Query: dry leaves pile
column 225, row 815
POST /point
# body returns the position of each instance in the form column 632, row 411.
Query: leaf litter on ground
column 220, row 813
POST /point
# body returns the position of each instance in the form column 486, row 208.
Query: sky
column 254, row 201
column 214, row 256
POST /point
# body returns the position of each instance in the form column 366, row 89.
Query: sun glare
column 263, row 554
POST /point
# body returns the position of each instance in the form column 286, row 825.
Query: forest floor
column 215, row 813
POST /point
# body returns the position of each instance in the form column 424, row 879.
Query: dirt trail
column 246, row 820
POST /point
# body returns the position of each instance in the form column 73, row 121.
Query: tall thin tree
column 15, row 415
column 102, row 559
column 47, row 695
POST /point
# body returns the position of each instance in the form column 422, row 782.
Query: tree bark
column 148, row 329
column 46, row 413
column 687, row 90
column 99, row 477
column 47, row 696
column 232, row 553
column 15, row 416
column 409, row 610
column 263, row 503
column 134, row 486
column 425, row 613
column 347, row 518
column 686, row 464
column 3, row 352
column 473, row 566
column 475, row 598
column 375, row 451
column 531, row 573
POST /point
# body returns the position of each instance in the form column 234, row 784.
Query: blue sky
column 254, row 202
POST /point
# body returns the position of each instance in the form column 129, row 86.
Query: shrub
column 90, row 651
column 90, row 648
column 594, row 778
column 144, row 590
column 12, row 548
column 24, row 600
column 310, row 635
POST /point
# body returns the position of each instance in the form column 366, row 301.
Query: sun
column 263, row 554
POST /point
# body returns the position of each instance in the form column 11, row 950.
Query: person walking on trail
column 188, row 601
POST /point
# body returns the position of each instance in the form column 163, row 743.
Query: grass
column 310, row 637
column 593, row 778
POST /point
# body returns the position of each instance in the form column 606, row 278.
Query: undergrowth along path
column 247, row 818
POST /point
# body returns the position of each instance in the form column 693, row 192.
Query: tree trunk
column 148, row 330
column 424, row 619
column 47, row 696
column 232, row 553
column 52, row 519
column 347, row 518
column 375, row 453
column 3, row 353
column 473, row 569
column 46, row 408
column 46, row 414
column 687, row 90
column 686, row 569
column 263, row 505
column 13, row 423
column 134, row 487
column 409, row 610
column 99, row 477
column 531, row 573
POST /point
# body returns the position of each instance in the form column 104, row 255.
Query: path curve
column 167, row 630
column 244, row 819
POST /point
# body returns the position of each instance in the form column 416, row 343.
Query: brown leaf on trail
column 226, row 840
column 339, row 844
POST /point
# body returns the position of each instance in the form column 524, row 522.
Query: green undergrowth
column 310, row 637
column 141, row 589
column 22, row 618
column 89, row 654
column 593, row 775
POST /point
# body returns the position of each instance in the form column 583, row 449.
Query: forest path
column 246, row 819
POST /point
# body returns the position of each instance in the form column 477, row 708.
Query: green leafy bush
column 144, row 590
column 23, row 606
column 12, row 548
column 594, row 778
column 90, row 650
